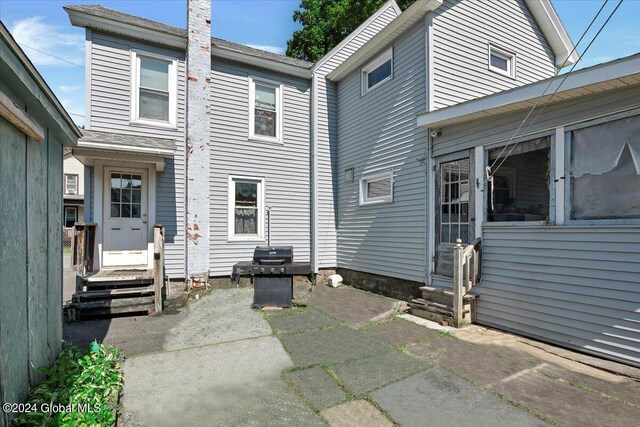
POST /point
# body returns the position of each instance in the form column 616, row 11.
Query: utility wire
column 53, row 56
column 554, row 92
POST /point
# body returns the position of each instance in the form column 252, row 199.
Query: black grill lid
column 273, row 255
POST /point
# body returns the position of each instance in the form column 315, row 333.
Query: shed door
column 125, row 212
column 454, row 199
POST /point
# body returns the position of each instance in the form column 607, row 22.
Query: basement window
column 153, row 89
column 378, row 71
column 376, row 189
column 501, row 61
column 520, row 182
column 605, row 170
column 246, row 208
column 265, row 110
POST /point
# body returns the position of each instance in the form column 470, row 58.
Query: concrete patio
column 348, row 359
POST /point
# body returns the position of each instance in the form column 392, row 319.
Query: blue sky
column 43, row 25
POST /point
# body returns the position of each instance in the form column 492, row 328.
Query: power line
column 53, row 56
column 554, row 92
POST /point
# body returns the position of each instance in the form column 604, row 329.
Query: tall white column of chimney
column 198, row 139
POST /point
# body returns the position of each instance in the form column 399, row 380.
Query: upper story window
column 378, row 71
column 376, row 188
column 70, row 183
column 605, row 170
column 154, row 87
column 501, row 61
column 265, row 110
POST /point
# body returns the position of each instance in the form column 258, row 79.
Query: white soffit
column 551, row 26
column 381, row 40
column 599, row 78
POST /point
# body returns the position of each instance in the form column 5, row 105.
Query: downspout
column 429, row 187
column 314, row 172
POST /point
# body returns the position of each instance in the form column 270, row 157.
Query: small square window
column 376, row 189
column 348, row 176
column 502, row 62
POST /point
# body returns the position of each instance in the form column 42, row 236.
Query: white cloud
column 70, row 89
column 36, row 36
column 273, row 49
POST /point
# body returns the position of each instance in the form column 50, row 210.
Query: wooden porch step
column 435, row 306
column 113, row 293
column 447, row 292
column 85, row 309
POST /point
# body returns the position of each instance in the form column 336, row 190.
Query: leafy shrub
column 80, row 389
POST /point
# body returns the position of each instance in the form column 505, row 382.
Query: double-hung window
column 153, row 89
column 376, row 188
column 246, row 208
column 265, row 110
column 378, row 71
column 70, row 183
column 70, row 216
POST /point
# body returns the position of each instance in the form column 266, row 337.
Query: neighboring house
column 73, row 191
column 331, row 149
column 34, row 131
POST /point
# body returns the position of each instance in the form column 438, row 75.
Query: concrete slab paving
column 328, row 345
column 229, row 384
column 298, row 321
column 317, row 387
column 364, row 375
column 438, row 397
column 400, row 332
column 223, row 315
column 353, row 306
column 614, row 386
column 567, row 405
column 356, row 413
column 480, row 363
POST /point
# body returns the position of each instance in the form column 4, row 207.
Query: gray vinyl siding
column 462, row 31
column 377, row 133
column 576, row 286
column 285, row 167
column 327, row 123
column 110, row 112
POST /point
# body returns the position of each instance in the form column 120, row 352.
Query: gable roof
column 598, row 78
column 541, row 10
column 112, row 21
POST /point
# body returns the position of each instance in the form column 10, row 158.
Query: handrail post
column 158, row 265
column 458, row 279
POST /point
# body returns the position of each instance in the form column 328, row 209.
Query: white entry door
column 125, row 229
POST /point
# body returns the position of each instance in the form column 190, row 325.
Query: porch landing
column 120, row 275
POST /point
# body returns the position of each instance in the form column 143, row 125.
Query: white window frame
column 231, row 202
column 135, row 89
column 66, row 183
column 279, row 109
column 364, row 180
column 510, row 57
column 364, row 74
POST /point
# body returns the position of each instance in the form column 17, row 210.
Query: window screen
column 246, row 208
column 605, row 170
column 265, row 113
column 154, row 89
column 520, row 182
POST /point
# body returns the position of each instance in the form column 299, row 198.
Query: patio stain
column 317, row 386
column 399, row 332
column 301, row 321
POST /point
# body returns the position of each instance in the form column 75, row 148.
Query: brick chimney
column 197, row 134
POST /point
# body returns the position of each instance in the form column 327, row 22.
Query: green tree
column 326, row 22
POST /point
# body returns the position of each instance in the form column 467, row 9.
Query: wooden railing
column 466, row 266
column 158, row 265
column 84, row 237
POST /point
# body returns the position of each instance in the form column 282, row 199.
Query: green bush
column 80, row 389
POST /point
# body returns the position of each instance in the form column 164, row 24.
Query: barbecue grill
column 272, row 270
